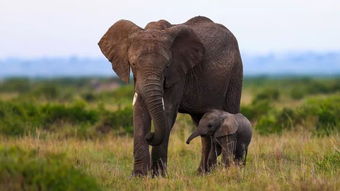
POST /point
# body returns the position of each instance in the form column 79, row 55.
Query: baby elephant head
column 215, row 123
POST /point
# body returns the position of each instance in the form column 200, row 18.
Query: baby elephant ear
column 229, row 126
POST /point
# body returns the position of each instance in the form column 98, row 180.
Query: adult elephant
column 188, row 68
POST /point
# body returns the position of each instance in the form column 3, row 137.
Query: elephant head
column 159, row 55
column 215, row 123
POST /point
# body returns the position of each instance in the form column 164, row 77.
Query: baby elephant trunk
column 193, row 135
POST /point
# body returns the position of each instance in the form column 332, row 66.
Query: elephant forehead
column 210, row 116
column 208, row 120
column 151, row 35
column 148, row 47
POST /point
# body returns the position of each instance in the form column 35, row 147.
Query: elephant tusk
column 135, row 96
column 163, row 104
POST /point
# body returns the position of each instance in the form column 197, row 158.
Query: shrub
column 89, row 96
column 20, row 118
column 20, row 85
column 325, row 111
column 268, row 124
column 47, row 91
column 123, row 92
column 257, row 109
column 28, row 170
column 120, row 121
column 261, row 104
column 270, row 94
column 121, row 96
column 73, row 114
column 303, row 87
column 297, row 93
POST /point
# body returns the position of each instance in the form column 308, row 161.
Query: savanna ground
column 75, row 134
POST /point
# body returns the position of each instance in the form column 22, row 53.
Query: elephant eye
column 209, row 126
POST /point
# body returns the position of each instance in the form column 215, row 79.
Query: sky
column 45, row 28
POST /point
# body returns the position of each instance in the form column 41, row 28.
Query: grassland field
column 76, row 134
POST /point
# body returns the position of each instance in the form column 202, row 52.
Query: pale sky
column 37, row 28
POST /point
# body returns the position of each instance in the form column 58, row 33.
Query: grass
column 291, row 161
column 33, row 170
column 296, row 142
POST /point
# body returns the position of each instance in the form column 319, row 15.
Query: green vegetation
column 23, row 118
column 318, row 114
column 76, row 134
column 26, row 170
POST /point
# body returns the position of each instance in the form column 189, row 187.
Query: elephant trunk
column 153, row 97
column 193, row 135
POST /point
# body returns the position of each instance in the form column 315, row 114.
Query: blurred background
column 41, row 38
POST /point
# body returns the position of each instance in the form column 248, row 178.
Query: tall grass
column 289, row 161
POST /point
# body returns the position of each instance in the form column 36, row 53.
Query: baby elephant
column 230, row 135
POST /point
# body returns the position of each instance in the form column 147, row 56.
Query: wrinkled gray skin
column 190, row 67
column 230, row 135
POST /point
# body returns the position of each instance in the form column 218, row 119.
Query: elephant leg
column 212, row 159
column 233, row 96
column 141, row 123
column 206, row 146
column 245, row 157
column 240, row 154
column 228, row 148
column 215, row 151
column 160, row 153
column 159, row 158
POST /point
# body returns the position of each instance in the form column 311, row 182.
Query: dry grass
column 292, row 161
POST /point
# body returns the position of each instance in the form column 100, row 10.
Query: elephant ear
column 229, row 126
column 115, row 44
column 187, row 51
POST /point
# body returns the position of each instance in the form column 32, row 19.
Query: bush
column 20, row 118
column 325, row 113
column 276, row 121
column 47, row 91
column 74, row 114
column 267, row 125
column 269, row 94
column 297, row 93
column 28, row 170
column 89, row 96
column 120, row 96
column 305, row 87
column 20, row 85
column 255, row 110
column 261, row 104
column 120, row 121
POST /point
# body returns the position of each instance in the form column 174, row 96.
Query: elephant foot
column 202, row 171
column 141, row 169
column 159, row 169
column 139, row 173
